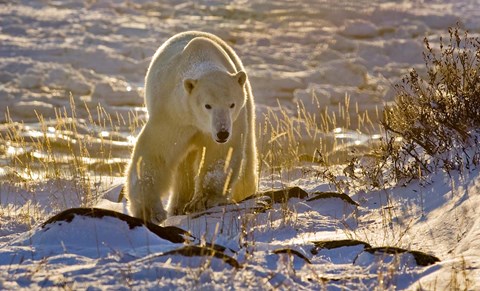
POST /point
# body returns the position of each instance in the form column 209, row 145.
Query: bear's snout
column 222, row 136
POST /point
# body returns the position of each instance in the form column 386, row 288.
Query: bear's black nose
column 222, row 136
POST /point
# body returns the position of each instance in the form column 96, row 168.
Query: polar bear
column 198, row 144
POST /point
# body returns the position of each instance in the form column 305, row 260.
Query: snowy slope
column 297, row 244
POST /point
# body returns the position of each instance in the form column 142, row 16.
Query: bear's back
column 167, row 68
column 160, row 77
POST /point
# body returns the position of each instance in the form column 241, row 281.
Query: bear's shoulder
column 202, row 44
column 203, row 55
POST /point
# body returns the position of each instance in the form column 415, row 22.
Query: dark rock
column 292, row 252
column 195, row 251
column 421, row 258
column 170, row 233
column 333, row 244
column 324, row 195
column 280, row 196
column 259, row 208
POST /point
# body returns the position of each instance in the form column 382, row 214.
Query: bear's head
column 216, row 99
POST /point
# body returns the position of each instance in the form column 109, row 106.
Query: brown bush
column 438, row 117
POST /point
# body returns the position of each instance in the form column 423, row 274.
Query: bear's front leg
column 212, row 187
column 197, row 203
column 202, row 201
column 146, row 184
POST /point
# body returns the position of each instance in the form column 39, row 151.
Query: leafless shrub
column 435, row 121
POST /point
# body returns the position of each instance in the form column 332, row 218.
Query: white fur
column 184, row 146
column 199, row 69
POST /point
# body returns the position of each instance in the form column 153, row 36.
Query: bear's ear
column 189, row 84
column 241, row 78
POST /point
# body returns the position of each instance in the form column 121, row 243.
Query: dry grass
column 67, row 152
column 317, row 143
column 434, row 123
column 438, row 118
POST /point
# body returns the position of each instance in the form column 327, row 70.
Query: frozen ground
column 266, row 244
column 97, row 52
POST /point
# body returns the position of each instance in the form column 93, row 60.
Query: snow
column 312, row 52
column 274, row 243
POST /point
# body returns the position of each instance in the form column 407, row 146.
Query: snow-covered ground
column 53, row 53
column 260, row 244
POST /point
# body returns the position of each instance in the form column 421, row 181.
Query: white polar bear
column 199, row 141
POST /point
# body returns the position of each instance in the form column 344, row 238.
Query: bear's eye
column 232, row 105
column 208, row 106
